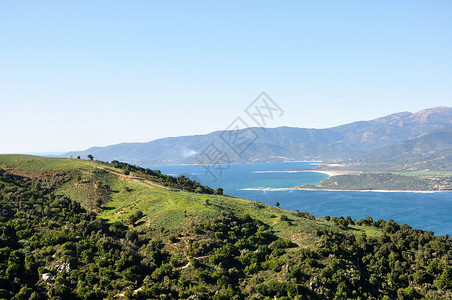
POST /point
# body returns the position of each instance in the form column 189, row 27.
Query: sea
column 271, row 182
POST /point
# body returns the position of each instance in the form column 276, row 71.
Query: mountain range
column 398, row 135
column 429, row 143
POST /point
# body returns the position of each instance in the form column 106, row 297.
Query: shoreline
column 333, row 173
column 329, row 173
column 330, row 190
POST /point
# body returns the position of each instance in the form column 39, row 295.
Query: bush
column 172, row 238
column 132, row 219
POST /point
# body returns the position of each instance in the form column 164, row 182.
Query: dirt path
column 188, row 258
column 140, row 181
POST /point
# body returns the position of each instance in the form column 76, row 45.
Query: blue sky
column 93, row 73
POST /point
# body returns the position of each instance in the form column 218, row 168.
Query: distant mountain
column 394, row 128
column 429, row 143
column 283, row 143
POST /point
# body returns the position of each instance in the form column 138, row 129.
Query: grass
column 35, row 164
column 163, row 208
column 370, row 231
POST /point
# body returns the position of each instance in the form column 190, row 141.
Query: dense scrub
column 50, row 247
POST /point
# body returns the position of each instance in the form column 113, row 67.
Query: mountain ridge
column 426, row 143
column 283, row 143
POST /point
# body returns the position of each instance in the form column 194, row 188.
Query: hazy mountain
column 394, row 128
column 429, row 143
column 283, row 143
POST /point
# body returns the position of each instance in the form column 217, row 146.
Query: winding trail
column 140, row 181
column 188, row 258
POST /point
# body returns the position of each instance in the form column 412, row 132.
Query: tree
column 90, row 157
column 78, row 157
column 135, row 217
column 368, row 220
column 342, row 223
column 218, row 191
column 277, row 204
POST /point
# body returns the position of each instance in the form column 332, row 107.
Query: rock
column 48, row 277
column 63, row 267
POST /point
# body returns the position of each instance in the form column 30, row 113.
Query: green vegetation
column 181, row 182
column 383, row 181
column 80, row 229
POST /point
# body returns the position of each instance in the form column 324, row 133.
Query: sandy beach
column 333, row 173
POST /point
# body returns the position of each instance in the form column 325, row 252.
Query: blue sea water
column 428, row 211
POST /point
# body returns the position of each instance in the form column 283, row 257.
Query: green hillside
column 77, row 229
column 103, row 189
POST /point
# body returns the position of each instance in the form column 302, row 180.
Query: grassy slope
column 163, row 208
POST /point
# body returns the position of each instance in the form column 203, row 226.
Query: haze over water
column 428, row 211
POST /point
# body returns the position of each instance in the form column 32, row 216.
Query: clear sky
column 76, row 74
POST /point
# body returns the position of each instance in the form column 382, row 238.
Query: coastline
column 333, row 173
column 329, row 173
column 232, row 163
column 376, row 191
column 338, row 190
